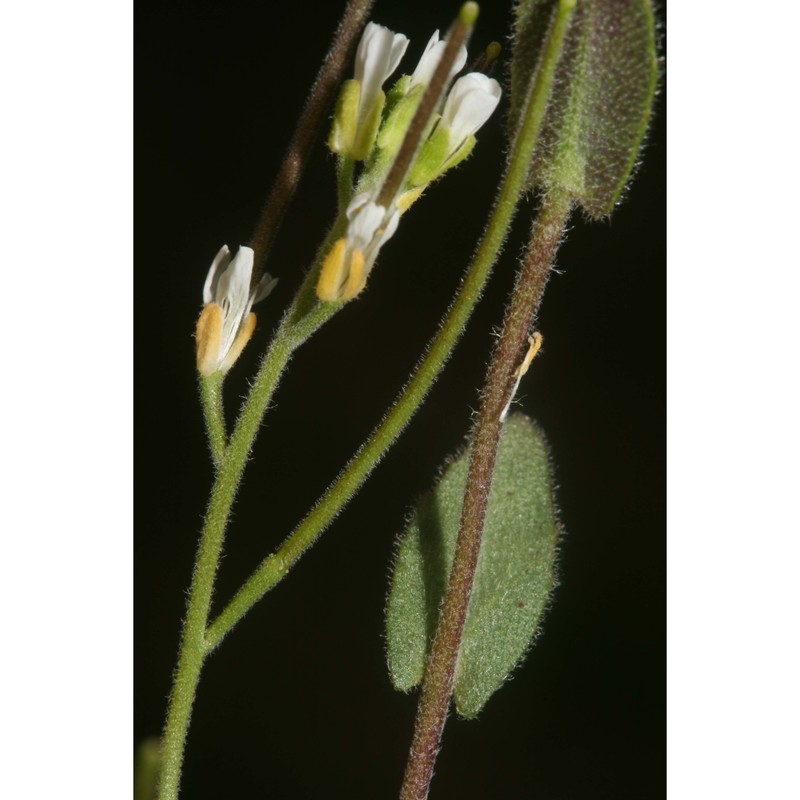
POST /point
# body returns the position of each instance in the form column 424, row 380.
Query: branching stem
column 274, row 567
column 301, row 320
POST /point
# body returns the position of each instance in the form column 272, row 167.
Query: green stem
column 301, row 320
column 193, row 645
column 211, row 397
column 345, row 167
column 273, row 568
column 498, row 393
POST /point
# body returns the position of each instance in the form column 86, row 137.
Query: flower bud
column 358, row 112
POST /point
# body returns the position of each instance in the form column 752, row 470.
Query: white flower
column 226, row 324
column 347, row 266
column 369, row 227
column 379, row 53
column 469, row 104
column 430, row 58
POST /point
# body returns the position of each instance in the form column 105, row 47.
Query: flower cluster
column 368, row 128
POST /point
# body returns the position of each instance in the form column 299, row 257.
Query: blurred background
column 297, row 703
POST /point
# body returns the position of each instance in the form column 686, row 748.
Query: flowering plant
column 395, row 138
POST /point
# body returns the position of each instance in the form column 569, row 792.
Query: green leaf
column 602, row 95
column 514, row 577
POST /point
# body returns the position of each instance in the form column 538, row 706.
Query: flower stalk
column 294, row 330
column 211, row 400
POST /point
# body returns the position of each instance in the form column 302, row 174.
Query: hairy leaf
column 602, row 95
column 514, row 577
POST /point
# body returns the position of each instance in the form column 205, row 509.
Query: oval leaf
column 601, row 100
column 514, row 577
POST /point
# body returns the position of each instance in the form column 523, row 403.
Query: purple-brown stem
column 500, row 384
column 307, row 131
column 396, row 176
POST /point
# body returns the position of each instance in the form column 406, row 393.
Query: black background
column 297, row 702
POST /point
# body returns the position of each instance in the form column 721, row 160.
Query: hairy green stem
column 498, row 393
column 211, row 399
column 301, row 320
column 345, row 168
column 274, row 567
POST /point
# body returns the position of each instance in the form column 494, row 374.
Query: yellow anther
column 534, row 345
column 332, row 275
column 208, row 336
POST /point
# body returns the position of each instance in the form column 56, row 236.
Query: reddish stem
column 307, row 131
column 498, row 391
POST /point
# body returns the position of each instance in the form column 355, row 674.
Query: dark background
column 297, row 702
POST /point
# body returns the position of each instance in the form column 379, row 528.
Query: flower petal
column 265, row 285
column 369, row 227
column 218, row 266
column 430, row 58
column 364, row 218
column 233, row 294
column 379, row 52
column 469, row 104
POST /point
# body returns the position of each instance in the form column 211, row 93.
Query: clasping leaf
column 602, row 95
column 514, row 578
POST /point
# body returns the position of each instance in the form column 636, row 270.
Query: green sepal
column 398, row 91
column 431, row 157
column 398, row 118
column 345, row 118
column 462, row 153
column 368, row 129
column 514, row 577
column 601, row 100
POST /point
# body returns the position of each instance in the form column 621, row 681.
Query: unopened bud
column 431, row 157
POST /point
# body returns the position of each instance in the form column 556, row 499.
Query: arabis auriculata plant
column 583, row 74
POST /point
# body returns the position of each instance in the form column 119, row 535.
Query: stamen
column 534, row 345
